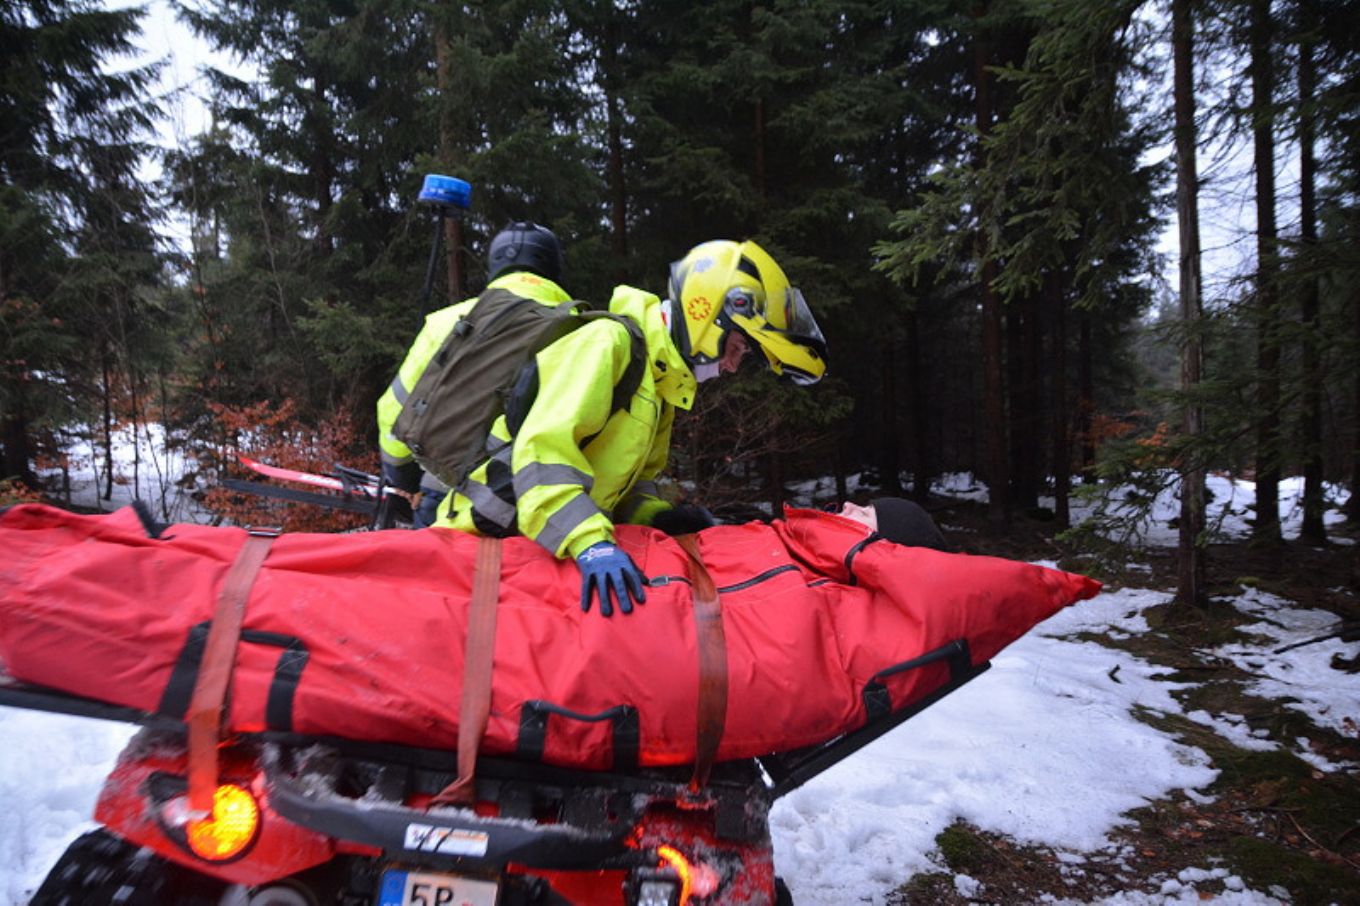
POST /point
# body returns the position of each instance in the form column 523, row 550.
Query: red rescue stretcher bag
column 826, row 626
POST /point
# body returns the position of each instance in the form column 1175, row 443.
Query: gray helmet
column 525, row 247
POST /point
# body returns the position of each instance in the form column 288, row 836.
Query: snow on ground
column 51, row 768
column 1230, row 506
column 145, row 467
column 1307, row 681
column 1043, row 747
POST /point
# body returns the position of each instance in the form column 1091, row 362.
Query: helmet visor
column 789, row 336
column 799, row 324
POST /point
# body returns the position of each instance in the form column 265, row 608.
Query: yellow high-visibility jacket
column 576, row 465
column 397, row 458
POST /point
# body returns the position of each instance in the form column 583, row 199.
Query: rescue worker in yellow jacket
column 577, row 464
column 525, row 259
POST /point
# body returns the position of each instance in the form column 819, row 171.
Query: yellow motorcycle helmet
column 721, row 286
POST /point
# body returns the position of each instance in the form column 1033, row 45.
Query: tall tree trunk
column 1314, row 502
column 993, row 379
column 1267, row 524
column 1191, row 573
column 18, row 451
column 18, row 447
column 165, row 425
column 889, row 445
column 747, row 33
column 107, row 426
column 1353, row 505
column 448, row 154
column 761, row 173
column 1025, row 407
column 918, row 443
column 1062, row 442
column 1086, row 395
column 1033, row 371
column 134, row 404
column 775, row 464
column 323, row 167
column 618, row 188
column 842, row 480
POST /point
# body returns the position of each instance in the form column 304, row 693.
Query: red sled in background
column 625, row 760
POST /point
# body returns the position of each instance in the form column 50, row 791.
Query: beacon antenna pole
column 450, row 197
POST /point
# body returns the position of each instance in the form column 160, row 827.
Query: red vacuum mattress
column 362, row 636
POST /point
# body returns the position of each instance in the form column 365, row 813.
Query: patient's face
column 864, row 514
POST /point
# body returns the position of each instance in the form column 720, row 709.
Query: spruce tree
column 76, row 245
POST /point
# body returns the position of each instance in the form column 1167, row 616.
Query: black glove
column 404, row 477
column 612, row 572
column 683, row 519
column 394, row 509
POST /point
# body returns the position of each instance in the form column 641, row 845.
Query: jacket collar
column 530, row 286
column 674, row 381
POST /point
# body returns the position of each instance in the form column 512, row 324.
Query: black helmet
column 525, row 247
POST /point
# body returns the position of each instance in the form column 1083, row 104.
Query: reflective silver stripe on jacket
column 431, row 485
column 487, row 504
column 393, row 460
column 399, row 390
column 646, row 489
column 564, row 521
column 541, row 473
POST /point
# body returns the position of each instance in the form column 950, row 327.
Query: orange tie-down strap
column 204, row 715
column 712, row 716
column 475, row 708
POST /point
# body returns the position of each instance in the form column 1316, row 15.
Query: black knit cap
column 905, row 522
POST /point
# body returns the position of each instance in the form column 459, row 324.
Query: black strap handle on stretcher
column 878, row 703
column 279, row 705
column 624, row 720
column 625, row 726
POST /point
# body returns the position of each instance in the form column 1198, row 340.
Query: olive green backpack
column 485, row 368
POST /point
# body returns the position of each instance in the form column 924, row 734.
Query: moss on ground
column 961, row 848
column 1309, row 879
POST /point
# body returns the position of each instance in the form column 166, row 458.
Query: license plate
column 424, row 888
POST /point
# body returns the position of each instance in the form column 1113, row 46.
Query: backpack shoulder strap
column 632, row 376
column 637, row 360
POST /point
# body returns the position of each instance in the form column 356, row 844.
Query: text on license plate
column 421, row 888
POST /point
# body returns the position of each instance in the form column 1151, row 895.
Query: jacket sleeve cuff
column 578, row 546
column 641, row 510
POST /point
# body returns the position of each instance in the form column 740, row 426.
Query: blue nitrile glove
column 613, row 573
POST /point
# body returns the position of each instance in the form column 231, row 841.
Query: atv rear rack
column 775, row 774
column 375, row 796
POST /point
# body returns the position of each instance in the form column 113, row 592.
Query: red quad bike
column 305, row 821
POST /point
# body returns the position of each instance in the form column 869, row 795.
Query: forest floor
column 1270, row 821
